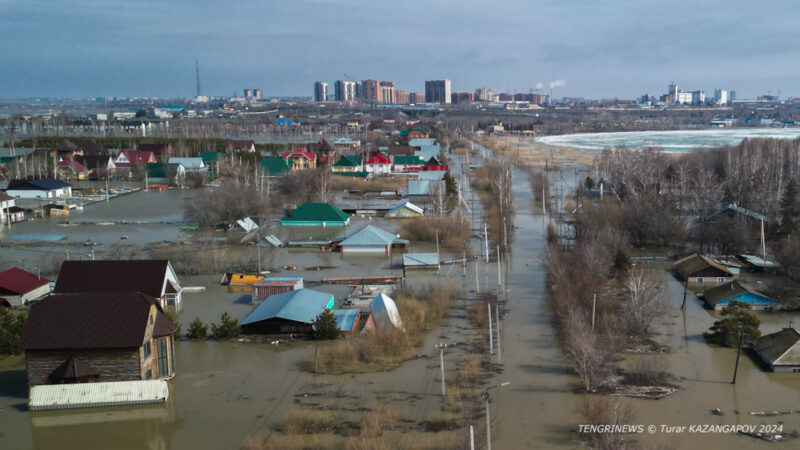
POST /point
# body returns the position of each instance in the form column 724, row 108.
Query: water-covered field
column 669, row 141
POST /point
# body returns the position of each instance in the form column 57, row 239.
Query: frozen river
column 669, row 141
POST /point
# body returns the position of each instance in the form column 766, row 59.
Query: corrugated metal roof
column 431, row 175
column 279, row 281
column 730, row 290
column 316, row 212
column 695, row 263
column 302, row 305
column 189, row 163
column 773, row 346
column 272, row 239
column 421, row 259
column 346, row 318
column 405, row 205
column 17, row 281
column 371, row 235
column 418, row 142
column 419, row 187
column 385, row 314
column 89, row 395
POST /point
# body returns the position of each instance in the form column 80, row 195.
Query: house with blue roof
column 721, row 296
column 371, row 239
column 288, row 312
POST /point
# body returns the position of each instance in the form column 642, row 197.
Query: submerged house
column 702, row 270
column 721, row 296
column 9, row 211
column 190, row 164
column 780, row 351
column 101, row 336
column 315, row 214
column 267, row 287
column 18, row 287
column 405, row 209
column 288, row 312
column 154, row 277
column 371, row 239
column 41, row 188
column 420, row 261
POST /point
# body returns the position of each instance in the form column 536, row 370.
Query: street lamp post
column 488, row 419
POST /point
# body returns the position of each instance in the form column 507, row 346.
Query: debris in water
column 772, row 413
column 716, row 412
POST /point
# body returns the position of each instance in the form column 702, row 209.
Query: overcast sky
column 590, row 48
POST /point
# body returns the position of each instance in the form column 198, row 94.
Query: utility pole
column 763, row 245
column 441, row 366
column 594, row 308
column 486, row 240
column 471, row 430
column 477, row 279
column 497, row 322
column 738, row 354
column 437, row 241
column 488, row 422
column 685, row 288
column 491, row 342
column 499, row 270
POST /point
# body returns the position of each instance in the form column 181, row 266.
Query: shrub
column 228, row 327
column 453, row 231
column 197, row 329
column 11, row 325
column 325, row 326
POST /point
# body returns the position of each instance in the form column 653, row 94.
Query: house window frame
column 699, row 279
column 720, row 280
column 162, row 357
column 146, row 350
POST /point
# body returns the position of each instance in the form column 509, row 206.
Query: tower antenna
column 197, row 75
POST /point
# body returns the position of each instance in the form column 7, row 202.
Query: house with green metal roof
column 315, row 215
column 287, row 312
column 212, row 158
column 158, row 172
column 347, row 163
column 275, row 166
column 405, row 163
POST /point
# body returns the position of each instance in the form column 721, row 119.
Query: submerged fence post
column 491, row 343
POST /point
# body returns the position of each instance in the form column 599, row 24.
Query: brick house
column 106, row 336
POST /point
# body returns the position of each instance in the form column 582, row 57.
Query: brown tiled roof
column 66, row 146
column 5, row 197
column 140, row 275
column 74, row 369
column 695, row 263
column 163, row 326
column 89, row 320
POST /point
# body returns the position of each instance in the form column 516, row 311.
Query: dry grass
column 453, row 231
column 375, row 184
column 420, row 311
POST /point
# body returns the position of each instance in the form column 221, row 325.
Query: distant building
column 402, row 97
column 18, row 287
column 320, row 91
column 252, row 94
column 370, row 91
column 462, row 97
column 698, row 97
column 417, row 97
column 41, row 188
column 484, row 94
column 344, row 91
column 437, row 91
column 721, row 97
column 387, row 92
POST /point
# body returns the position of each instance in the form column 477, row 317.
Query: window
column 720, row 280
column 146, row 350
column 699, row 279
column 149, row 374
column 151, row 319
column 163, row 359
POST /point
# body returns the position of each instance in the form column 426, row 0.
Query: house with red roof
column 18, row 287
column 300, row 159
column 70, row 169
column 132, row 158
column 434, row 164
column 379, row 163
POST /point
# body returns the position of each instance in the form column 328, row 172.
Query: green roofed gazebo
column 315, row 215
column 275, row 166
column 288, row 312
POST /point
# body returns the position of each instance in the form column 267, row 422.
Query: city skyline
column 94, row 48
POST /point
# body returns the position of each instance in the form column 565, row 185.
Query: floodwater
column 669, row 141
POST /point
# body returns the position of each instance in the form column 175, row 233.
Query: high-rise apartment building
column 345, row 91
column 371, row 91
column 402, row 97
column 320, row 91
column 721, row 97
column 387, row 92
column 484, row 94
column 417, row 97
column 437, row 91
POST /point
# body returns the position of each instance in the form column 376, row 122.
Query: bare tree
column 644, row 300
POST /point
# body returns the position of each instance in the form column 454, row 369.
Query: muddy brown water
column 225, row 392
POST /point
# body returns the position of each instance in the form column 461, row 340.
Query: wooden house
column 721, row 296
column 69, row 169
column 19, row 287
column 780, row 351
column 154, row 277
column 101, row 336
column 703, row 270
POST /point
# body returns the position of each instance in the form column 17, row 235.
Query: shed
column 420, row 261
column 405, row 209
column 19, row 287
column 347, row 320
column 288, row 312
column 780, row 350
column 370, row 239
column 87, row 395
column 315, row 214
column 276, row 285
column 721, row 296
column 703, row 270
column 383, row 315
